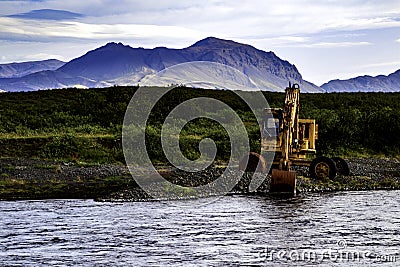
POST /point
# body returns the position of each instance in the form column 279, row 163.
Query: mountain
column 116, row 63
column 15, row 70
column 47, row 80
column 380, row 83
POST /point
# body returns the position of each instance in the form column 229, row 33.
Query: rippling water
column 353, row 228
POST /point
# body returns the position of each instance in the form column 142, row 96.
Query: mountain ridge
column 366, row 83
column 19, row 69
column 116, row 63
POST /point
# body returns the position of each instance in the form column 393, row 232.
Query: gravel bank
column 28, row 169
column 366, row 174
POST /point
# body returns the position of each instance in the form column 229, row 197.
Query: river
column 341, row 229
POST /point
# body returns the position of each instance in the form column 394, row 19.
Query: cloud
column 309, row 41
column 48, row 14
column 274, row 42
column 383, row 64
column 335, row 44
column 23, row 30
column 33, row 57
column 15, row 51
column 398, row 40
column 231, row 19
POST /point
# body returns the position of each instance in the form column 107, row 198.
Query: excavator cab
column 272, row 129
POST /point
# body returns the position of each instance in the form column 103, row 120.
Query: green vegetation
column 356, row 124
column 85, row 125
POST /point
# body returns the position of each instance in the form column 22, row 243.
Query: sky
column 326, row 40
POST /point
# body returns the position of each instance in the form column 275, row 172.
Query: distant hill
column 15, row 70
column 380, row 83
column 116, row 63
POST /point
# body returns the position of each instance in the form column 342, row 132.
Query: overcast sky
column 325, row 39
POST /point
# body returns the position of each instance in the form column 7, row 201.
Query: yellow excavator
column 291, row 142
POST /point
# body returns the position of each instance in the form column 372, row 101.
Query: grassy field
column 85, row 125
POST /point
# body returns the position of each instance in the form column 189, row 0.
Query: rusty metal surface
column 283, row 181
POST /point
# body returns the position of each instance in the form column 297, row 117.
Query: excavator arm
column 284, row 179
column 290, row 124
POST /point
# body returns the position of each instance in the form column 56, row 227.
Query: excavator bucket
column 283, row 182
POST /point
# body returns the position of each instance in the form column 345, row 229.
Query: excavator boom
column 284, row 179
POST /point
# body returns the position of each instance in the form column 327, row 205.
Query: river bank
column 39, row 179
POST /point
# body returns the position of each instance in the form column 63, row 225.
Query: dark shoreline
column 23, row 179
